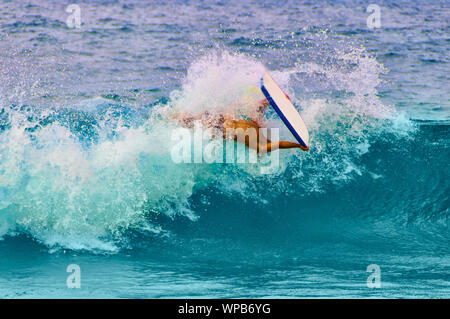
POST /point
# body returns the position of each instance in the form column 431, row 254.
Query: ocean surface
column 87, row 177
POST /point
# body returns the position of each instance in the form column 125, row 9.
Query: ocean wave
column 87, row 177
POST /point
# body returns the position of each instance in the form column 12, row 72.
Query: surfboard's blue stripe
column 281, row 115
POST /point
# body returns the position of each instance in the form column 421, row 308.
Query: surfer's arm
column 272, row 146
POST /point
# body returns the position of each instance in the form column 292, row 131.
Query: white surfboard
column 285, row 109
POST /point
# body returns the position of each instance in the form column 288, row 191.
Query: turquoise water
column 87, row 178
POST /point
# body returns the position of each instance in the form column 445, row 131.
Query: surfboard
column 285, row 109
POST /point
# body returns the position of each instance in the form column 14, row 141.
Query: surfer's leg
column 262, row 105
column 185, row 119
column 260, row 110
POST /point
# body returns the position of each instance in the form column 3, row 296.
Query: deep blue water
column 86, row 175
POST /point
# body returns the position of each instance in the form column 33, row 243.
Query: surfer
column 238, row 128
